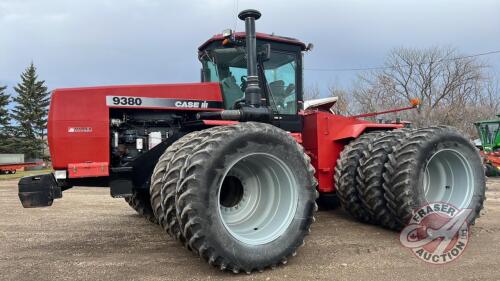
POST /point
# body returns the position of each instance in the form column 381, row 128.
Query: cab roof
column 489, row 121
column 260, row 36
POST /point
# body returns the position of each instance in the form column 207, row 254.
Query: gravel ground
column 88, row 235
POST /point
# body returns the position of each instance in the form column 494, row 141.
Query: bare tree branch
column 453, row 89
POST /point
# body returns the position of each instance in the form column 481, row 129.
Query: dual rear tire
column 382, row 177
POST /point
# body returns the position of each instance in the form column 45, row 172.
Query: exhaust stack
column 253, row 91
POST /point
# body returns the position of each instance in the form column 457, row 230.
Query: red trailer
column 11, row 168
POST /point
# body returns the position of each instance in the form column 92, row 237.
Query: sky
column 106, row 42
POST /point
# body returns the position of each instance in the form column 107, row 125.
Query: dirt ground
column 88, row 235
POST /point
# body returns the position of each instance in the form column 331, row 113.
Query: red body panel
column 324, row 137
column 78, row 125
column 83, row 170
column 219, row 122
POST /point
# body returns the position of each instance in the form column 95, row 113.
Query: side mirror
column 205, row 74
column 310, row 47
column 265, row 52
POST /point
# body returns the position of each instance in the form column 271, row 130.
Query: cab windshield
column 228, row 66
column 489, row 133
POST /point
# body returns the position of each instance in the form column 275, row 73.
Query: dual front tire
column 243, row 195
column 382, row 177
column 140, row 202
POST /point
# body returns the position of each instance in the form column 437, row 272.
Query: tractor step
column 38, row 191
column 121, row 183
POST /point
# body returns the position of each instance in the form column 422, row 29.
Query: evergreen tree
column 6, row 142
column 30, row 112
column 10, row 142
column 4, row 113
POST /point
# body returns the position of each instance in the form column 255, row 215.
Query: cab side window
column 280, row 73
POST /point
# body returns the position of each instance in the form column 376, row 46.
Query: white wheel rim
column 449, row 178
column 261, row 208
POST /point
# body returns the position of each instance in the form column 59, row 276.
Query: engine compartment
column 135, row 132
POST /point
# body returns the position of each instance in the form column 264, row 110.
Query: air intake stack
column 253, row 91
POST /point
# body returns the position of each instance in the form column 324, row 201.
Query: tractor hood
column 78, row 124
column 189, row 96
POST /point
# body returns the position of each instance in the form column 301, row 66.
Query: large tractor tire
column 369, row 176
column 168, row 175
column 435, row 164
column 347, row 188
column 158, row 180
column 246, row 197
column 139, row 201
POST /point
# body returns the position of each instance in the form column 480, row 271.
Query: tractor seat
column 278, row 89
column 232, row 92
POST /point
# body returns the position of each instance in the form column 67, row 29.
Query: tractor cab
column 279, row 69
column 489, row 133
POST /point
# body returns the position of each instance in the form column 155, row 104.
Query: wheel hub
column 257, row 198
column 448, row 178
column 231, row 192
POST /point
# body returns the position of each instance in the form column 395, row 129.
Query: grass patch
column 20, row 174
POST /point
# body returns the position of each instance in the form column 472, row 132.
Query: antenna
column 236, row 4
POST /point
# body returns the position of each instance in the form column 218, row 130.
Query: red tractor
column 232, row 166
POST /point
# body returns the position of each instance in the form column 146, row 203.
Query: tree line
column 23, row 127
column 454, row 89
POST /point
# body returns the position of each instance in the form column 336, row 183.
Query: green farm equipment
column 489, row 133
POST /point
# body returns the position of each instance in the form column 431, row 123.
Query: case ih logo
column 121, row 101
column 191, row 104
column 80, row 130
column 437, row 233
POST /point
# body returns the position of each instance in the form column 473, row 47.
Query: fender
column 324, row 137
column 356, row 129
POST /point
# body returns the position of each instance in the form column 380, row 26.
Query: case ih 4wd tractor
column 232, row 166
